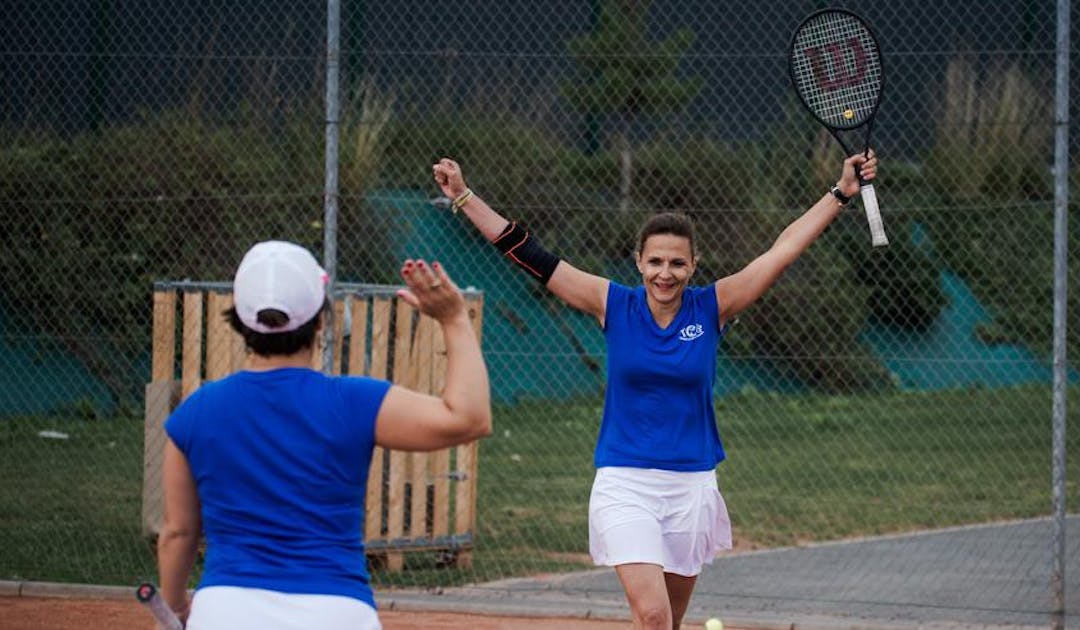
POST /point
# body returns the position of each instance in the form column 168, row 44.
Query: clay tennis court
column 42, row 613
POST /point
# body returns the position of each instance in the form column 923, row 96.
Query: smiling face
column 666, row 263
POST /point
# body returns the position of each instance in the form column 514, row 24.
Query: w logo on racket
column 843, row 74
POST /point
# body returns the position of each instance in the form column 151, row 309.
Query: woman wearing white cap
column 271, row 463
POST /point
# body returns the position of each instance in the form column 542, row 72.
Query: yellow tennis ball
column 849, row 114
column 714, row 624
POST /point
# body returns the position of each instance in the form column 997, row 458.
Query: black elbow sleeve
column 525, row 250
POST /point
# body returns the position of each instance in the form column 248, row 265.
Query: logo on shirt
column 691, row 332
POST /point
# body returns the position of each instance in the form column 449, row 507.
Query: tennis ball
column 849, row 114
column 714, row 624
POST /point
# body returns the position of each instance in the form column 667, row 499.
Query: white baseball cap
column 282, row 276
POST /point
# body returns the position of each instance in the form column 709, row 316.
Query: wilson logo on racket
column 842, row 76
column 691, row 332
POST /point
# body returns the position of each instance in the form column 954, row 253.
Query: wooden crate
column 415, row 501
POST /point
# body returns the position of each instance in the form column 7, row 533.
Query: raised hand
column 849, row 183
column 431, row 291
column 449, row 178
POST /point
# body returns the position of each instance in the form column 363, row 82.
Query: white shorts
column 239, row 608
column 677, row 520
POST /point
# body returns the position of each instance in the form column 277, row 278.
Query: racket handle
column 165, row 617
column 873, row 216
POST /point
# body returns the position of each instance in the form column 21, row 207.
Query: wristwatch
column 841, row 197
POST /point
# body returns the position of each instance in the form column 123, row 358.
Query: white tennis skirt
column 239, row 608
column 677, row 520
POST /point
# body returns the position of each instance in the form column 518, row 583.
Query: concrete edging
column 13, row 588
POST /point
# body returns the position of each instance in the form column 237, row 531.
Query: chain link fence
column 870, row 392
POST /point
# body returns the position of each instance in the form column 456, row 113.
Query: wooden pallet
column 415, row 501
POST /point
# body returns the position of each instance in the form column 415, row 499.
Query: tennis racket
column 165, row 617
column 835, row 65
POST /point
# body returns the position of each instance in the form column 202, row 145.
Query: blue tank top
column 658, row 408
column 280, row 459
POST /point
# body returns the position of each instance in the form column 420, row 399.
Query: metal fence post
column 330, row 201
column 1061, row 267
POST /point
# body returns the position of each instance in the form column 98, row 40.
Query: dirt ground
column 34, row 613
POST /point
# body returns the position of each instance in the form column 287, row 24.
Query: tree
column 627, row 76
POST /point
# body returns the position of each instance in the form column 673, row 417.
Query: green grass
column 800, row 468
column 821, row 468
column 70, row 509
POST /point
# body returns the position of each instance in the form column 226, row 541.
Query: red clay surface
column 34, row 613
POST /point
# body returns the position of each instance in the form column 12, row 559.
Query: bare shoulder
column 581, row 290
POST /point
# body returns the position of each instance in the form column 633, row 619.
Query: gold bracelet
column 462, row 199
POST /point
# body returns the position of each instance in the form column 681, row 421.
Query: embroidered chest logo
column 691, row 332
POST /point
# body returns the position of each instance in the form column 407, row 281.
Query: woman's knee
column 652, row 615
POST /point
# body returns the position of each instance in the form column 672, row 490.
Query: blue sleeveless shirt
column 658, row 408
column 280, row 460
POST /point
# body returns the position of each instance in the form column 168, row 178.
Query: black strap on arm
column 525, row 250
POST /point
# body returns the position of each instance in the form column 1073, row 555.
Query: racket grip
column 165, row 617
column 873, row 216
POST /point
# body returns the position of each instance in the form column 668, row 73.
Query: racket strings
column 837, row 69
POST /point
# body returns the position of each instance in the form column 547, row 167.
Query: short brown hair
column 674, row 223
column 274, row 344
